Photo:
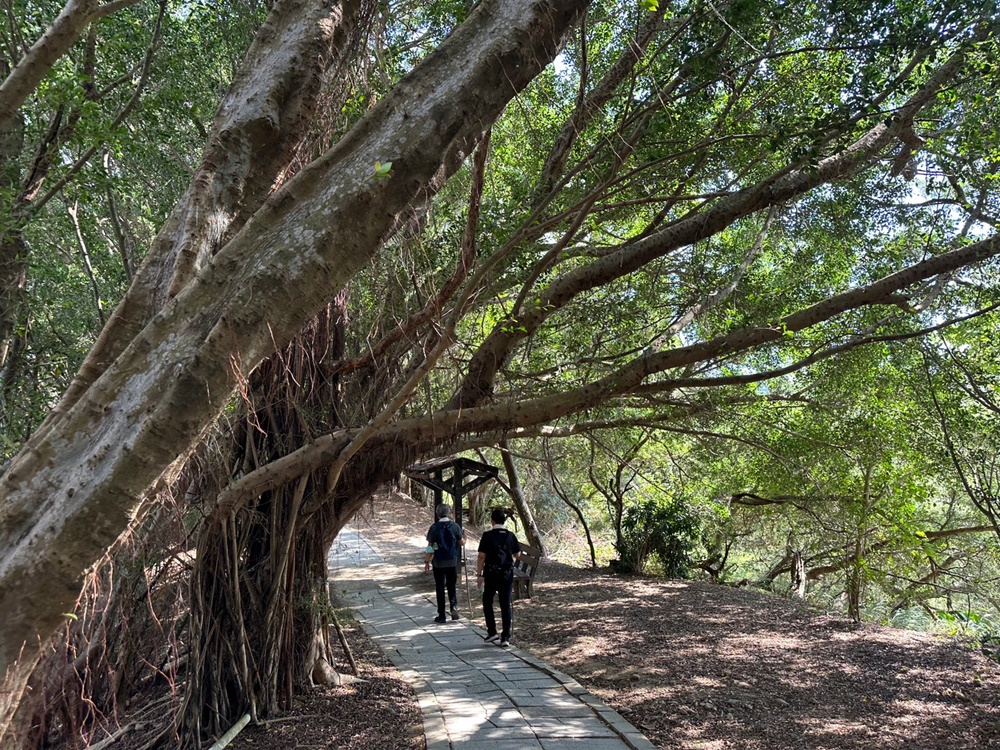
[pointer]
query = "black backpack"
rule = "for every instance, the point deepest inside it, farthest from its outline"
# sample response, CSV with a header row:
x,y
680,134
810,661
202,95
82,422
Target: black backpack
x,y
447,544
500,559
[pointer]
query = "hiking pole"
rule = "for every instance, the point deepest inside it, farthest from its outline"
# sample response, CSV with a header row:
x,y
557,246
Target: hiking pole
x,y
468,592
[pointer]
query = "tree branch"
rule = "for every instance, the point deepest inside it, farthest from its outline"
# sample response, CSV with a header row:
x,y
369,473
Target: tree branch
x,y
36,63
780,187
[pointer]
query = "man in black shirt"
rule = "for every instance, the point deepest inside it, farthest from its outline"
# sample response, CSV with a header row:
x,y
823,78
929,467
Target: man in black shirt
x,y
498,549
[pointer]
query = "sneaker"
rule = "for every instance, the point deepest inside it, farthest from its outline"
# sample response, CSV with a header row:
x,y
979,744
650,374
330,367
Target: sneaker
x,y
455,615
505,643
440,618
492,637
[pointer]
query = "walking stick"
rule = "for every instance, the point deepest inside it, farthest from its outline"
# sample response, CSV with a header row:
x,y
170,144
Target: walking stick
x,y
468,592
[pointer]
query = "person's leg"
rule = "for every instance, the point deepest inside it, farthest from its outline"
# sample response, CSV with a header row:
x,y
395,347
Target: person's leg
x,y
439,590
451,579
506,608
489,591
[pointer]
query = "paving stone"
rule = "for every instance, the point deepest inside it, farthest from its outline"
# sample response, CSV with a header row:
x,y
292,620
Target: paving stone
x,y
516,692
582,743
533,701
556,712
569,728
499,707
513,721
518,673
486,691
522,744
486,733
538,683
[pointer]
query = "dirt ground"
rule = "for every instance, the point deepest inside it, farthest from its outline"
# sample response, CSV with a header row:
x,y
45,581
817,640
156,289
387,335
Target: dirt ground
x,y
379,712
695,666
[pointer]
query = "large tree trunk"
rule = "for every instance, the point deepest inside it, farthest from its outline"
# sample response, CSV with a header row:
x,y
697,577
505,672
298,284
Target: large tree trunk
x,y
259,628
260,122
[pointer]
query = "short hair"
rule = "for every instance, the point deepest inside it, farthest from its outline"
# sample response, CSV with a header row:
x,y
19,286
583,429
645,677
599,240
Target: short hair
x,y
443,511
499,515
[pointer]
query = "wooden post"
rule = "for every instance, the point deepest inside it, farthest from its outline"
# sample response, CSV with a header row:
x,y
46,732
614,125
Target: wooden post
x,y
439,476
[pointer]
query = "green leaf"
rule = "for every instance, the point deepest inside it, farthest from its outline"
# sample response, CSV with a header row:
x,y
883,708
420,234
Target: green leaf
x,y
383,170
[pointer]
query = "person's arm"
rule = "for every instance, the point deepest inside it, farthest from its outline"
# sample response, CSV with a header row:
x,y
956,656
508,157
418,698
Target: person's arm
x,y
428,552
480,564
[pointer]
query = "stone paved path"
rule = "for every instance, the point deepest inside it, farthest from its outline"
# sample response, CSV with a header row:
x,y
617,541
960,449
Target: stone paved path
x,y
472,694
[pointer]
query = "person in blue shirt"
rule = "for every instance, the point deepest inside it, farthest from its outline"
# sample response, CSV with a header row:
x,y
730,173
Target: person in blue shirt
x,y
444,549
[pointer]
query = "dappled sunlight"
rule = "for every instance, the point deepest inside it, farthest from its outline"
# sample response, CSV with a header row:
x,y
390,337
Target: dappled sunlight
x,y
778,642
694,737
707,682
821,731
705,665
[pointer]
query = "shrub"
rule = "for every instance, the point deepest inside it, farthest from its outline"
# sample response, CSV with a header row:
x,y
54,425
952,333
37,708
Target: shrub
x,y
661,531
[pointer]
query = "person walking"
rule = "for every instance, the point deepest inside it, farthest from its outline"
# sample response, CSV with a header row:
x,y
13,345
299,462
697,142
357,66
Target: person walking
x,y
444,543
498,549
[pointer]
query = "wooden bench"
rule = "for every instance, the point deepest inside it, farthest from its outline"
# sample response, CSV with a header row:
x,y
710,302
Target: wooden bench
x,y
524,571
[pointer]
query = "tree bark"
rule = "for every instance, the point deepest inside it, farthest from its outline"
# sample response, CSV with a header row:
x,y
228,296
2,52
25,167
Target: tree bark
x,y
260,123
517,496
